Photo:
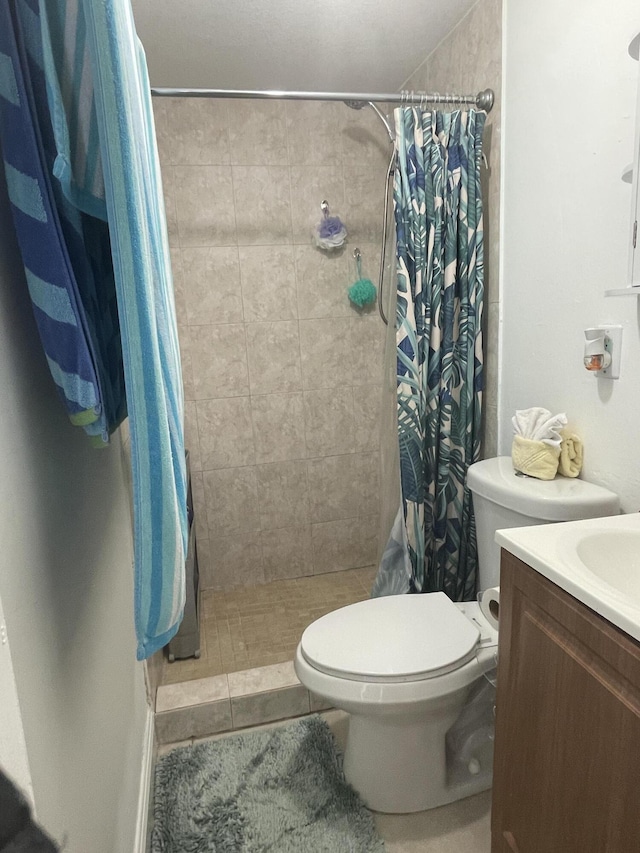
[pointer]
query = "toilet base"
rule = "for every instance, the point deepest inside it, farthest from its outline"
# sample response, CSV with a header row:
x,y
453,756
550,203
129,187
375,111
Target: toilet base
x,y
398,763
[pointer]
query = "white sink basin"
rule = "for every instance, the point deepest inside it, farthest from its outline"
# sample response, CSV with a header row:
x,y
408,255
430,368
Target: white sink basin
x,y
597,561
613,556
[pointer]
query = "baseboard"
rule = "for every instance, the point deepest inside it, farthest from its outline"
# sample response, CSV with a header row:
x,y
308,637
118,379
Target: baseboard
x,y
144,796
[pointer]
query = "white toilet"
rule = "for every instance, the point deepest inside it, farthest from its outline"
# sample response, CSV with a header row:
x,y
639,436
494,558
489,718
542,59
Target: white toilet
x,y
403,666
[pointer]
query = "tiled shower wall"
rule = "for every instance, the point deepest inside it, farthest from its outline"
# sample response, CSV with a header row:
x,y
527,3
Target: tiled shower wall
x,y
467,60
282,377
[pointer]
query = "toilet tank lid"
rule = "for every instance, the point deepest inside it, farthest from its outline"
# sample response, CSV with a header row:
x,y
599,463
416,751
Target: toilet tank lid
x,y
393,638
561,499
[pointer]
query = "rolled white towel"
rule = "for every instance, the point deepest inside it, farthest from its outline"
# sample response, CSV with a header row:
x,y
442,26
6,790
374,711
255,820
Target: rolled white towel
x,y
538,424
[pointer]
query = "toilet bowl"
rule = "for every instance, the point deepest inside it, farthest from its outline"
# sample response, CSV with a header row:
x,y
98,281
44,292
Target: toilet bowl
x,y
403,666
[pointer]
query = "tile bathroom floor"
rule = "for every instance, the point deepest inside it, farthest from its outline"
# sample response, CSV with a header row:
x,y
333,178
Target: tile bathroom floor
x,y
260,625
461,827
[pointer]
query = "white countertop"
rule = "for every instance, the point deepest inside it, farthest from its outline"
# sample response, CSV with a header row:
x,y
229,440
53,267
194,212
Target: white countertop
x,y
553,550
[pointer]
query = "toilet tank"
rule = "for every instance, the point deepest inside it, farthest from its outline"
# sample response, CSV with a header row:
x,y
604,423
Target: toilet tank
x,y
502,499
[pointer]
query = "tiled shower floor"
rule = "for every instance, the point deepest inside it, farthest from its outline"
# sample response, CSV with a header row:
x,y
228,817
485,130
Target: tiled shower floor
x,y
261,625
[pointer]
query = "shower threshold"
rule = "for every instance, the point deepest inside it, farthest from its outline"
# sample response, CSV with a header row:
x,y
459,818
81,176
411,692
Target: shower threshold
x,y
245,674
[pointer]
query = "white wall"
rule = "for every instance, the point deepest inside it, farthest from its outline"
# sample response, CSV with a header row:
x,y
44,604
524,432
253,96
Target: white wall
x,y
13,748
66,590
570,94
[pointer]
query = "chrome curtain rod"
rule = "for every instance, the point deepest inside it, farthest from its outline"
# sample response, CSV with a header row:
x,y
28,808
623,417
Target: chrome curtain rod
x,y
483,100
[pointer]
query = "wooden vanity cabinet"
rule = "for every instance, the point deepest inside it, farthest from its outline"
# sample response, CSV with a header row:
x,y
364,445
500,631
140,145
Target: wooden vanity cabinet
x,y
567,751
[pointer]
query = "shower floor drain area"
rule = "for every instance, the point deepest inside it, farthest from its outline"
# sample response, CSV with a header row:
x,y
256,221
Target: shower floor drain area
x,y
256,626
245,674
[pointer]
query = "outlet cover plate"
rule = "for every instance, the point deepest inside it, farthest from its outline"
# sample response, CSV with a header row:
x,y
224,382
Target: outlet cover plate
x,y
614,347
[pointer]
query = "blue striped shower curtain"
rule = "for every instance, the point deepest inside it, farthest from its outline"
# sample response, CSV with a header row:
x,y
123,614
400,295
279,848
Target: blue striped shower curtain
x,y
100,162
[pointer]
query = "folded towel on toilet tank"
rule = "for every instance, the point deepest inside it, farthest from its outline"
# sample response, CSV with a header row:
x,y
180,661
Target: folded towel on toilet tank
x,y
538,424
571,454
534,458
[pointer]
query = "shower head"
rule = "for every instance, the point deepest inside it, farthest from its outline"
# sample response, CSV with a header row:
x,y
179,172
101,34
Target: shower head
x,y
358,105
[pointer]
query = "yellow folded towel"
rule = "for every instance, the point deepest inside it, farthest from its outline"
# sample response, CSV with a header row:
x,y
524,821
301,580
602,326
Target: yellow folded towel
x,y
571,454
534,458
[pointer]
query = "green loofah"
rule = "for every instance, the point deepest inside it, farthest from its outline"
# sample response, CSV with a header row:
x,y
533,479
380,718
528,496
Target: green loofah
x,y
362,293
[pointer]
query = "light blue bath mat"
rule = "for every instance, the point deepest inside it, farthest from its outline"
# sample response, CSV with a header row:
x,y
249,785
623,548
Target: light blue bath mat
x,y
281,790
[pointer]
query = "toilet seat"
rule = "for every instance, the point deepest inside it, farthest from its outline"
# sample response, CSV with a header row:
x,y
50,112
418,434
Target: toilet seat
x,y
403,638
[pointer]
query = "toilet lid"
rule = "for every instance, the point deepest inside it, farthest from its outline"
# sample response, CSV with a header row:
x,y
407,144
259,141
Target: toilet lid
x,y
394,638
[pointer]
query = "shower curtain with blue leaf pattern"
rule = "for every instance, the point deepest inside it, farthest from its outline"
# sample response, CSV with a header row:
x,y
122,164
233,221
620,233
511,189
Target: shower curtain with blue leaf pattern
x,y
438,211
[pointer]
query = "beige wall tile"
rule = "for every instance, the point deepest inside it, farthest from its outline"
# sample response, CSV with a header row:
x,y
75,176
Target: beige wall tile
x,y
367,411
274,357
236,561
226,433
203,549
367,333
470,59
310,186
193,131
220,354
212,285
322,279
492,248
287,552
326,353
268,283
191,437
490,439
491,347
232,500
283,494
184,339
364,198
364,140
159,106
262,205
278,425
199,506
204,205
328,421
344,544
178,286
314,131
343,486
276,198
168,189
274,705
257,133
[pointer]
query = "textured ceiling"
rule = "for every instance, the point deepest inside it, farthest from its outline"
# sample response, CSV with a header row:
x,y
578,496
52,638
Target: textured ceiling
x,y
340,45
